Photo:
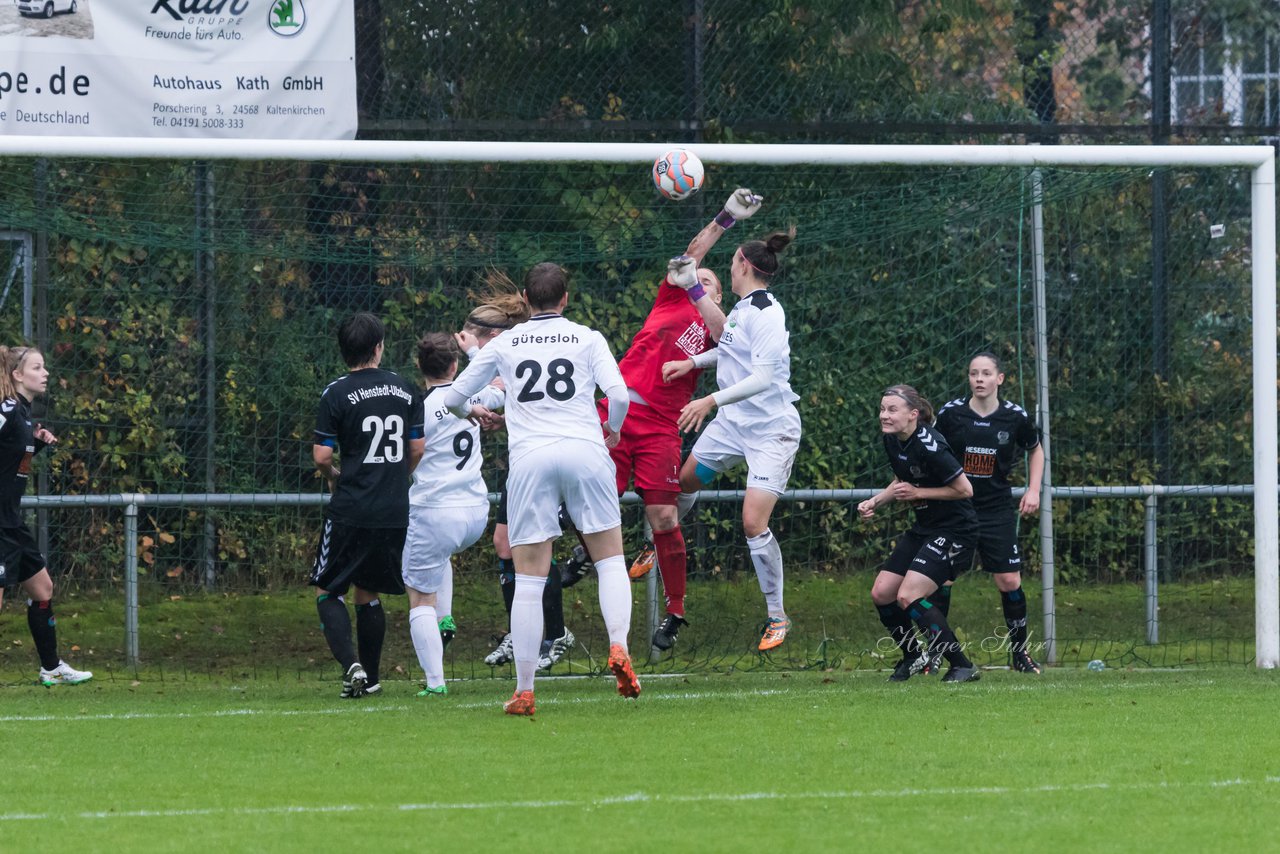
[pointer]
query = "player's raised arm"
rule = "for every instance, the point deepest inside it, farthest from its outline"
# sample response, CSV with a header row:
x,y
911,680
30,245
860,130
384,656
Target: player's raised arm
x,y
682,271
741,205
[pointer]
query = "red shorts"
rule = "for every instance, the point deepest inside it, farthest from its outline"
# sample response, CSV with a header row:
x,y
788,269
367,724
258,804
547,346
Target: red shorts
x,y
649,450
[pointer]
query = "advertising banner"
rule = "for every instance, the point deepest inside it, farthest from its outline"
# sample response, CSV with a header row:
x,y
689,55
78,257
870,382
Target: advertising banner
x,y
253,69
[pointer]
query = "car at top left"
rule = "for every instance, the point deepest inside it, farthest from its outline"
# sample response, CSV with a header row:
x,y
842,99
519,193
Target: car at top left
x,y
46,8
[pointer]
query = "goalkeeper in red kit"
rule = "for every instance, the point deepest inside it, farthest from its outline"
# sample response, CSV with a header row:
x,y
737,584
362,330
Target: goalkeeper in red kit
x,y
649,451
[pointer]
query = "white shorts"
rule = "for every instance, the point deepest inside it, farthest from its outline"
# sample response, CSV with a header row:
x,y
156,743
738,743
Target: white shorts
x,y
768,457
580,474
435,535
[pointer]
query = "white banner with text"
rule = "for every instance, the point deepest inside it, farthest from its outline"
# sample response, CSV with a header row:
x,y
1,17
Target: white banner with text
x,y
248,69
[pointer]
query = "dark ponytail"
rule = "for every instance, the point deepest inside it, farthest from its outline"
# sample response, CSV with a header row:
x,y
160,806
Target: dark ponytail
x,y
762,255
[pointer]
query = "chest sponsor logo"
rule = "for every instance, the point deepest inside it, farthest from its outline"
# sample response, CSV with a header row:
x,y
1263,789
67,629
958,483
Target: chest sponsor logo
x,y
980,462
693,341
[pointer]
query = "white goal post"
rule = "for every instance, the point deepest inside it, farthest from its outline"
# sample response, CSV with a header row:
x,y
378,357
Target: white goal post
x,y
1259,159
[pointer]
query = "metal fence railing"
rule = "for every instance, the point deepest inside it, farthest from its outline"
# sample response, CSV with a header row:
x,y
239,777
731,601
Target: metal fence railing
x,y
1150,495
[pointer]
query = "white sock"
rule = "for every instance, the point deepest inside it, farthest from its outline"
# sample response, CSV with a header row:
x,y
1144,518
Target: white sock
x,y
444,596
425,631
766,554
684,504
648,531
526,628
615,598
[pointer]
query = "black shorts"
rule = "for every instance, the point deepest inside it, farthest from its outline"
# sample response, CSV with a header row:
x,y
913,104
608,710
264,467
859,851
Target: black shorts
x,y
937,556
368,558
500,517
20,557
997,542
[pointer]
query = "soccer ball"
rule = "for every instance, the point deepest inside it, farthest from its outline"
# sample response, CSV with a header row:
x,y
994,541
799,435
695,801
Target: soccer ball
x,y
678,174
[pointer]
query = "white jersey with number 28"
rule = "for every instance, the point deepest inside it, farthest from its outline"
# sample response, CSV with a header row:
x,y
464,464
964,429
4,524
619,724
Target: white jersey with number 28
x,y
551,368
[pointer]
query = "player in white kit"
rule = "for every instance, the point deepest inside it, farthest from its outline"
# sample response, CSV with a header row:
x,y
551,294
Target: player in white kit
x,y
758,422
448,503
551,367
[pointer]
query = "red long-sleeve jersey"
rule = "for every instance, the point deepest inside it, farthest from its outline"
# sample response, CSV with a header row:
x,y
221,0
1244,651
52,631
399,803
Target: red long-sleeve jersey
x,y
673,330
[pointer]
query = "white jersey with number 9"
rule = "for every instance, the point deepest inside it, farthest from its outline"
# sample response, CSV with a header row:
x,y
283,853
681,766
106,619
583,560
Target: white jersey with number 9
x,y
448,475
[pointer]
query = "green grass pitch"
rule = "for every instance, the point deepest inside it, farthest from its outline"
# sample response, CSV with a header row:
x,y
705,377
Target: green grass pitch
x,y
1123,760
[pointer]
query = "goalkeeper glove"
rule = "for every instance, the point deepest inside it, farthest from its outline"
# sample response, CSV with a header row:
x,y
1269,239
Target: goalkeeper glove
x,y
741,205
682,271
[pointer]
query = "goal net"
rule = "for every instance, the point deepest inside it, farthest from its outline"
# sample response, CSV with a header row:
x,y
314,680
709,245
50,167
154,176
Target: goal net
x,y
186,295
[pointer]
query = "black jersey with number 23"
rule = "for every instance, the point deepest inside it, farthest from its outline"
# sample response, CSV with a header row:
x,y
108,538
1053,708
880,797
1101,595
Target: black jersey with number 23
x,y
369,416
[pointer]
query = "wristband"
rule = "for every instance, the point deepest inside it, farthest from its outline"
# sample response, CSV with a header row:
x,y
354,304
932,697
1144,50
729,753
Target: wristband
x,y
696,292
724,219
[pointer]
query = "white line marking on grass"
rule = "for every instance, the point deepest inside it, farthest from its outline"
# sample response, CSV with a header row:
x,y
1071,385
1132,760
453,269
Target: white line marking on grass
x,y
641,798
356,709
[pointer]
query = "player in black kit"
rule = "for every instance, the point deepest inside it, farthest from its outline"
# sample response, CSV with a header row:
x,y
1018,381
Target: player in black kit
x,y
929,477
374,419
989,435
23,375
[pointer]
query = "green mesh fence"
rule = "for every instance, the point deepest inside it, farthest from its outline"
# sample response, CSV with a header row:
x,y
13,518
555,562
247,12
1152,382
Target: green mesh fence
x,y
189,319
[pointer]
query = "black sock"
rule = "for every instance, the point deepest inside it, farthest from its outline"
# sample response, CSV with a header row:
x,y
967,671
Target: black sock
x,y
896,621
934,624
44,632
335,622
1015,617
941,599
553,605
371,628
507,578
